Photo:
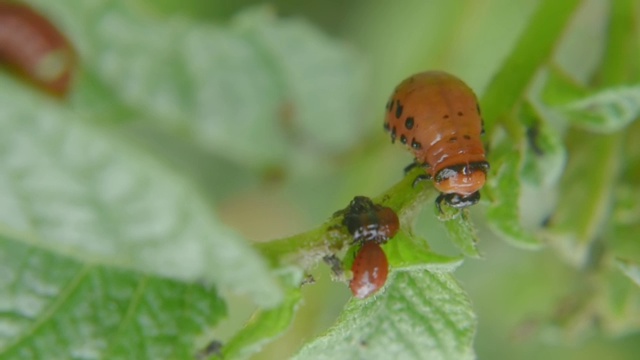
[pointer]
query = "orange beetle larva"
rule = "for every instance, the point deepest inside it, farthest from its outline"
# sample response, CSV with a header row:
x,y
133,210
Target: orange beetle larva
x,y
34,48
370,269
438,117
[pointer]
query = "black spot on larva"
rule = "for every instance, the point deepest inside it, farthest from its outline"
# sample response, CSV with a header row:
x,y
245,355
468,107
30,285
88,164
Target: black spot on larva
x,y
409,123
466,137
416,145
453,139
482,126
446,116
388,105
393,135
398,109
478,109
403,139
386,126
460,113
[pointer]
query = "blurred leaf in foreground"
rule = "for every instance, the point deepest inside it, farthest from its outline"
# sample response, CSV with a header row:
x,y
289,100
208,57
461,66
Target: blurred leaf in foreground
x,y
55,308
75,189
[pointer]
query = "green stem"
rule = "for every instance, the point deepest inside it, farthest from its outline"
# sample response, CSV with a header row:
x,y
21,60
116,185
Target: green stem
x,y
533,49
308,247
620,62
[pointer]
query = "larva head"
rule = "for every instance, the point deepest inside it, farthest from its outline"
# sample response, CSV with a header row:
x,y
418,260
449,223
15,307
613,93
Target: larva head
x,y
367,221
463,179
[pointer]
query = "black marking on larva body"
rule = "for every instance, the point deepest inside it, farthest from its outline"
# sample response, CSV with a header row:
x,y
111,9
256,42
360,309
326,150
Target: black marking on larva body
x,y
453,139
446,116
467,137
420,178
411,166
409,123
457,201
481,126
389,105
403,139
393,135
416,145
460,113
399,108
478,109
386,127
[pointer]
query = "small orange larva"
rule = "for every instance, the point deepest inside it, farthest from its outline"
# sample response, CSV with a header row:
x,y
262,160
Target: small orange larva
x,y
33,47
370,269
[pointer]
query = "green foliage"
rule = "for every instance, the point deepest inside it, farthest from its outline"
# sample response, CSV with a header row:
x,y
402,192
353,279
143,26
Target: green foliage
x,y
577,227
208,70
533,49
607,111
54,307
114,235
431,318
462,233
263,326
545,155
503,213
76,189
631,269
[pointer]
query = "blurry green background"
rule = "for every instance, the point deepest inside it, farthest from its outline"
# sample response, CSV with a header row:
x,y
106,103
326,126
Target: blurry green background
x,y
521,297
